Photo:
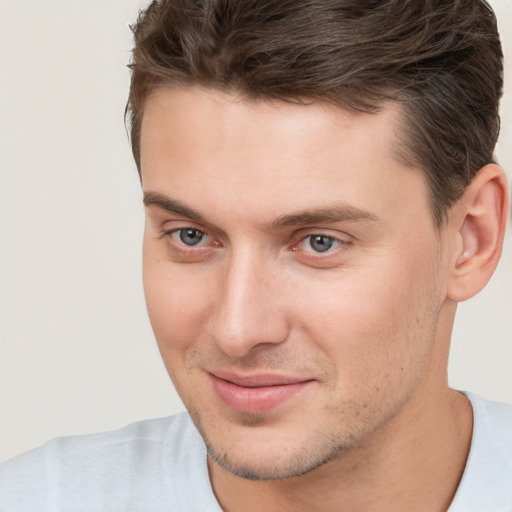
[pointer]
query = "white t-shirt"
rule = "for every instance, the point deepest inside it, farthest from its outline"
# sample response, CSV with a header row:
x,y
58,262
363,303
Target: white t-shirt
x,y
160,465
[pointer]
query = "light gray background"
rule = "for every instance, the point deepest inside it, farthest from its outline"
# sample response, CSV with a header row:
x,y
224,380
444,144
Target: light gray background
x,y
76,349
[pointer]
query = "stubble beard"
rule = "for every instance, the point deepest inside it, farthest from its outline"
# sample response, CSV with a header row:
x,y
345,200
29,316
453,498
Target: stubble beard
x,y
318,450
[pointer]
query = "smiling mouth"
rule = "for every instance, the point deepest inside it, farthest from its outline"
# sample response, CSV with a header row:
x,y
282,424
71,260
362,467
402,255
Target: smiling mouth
x,y
256,394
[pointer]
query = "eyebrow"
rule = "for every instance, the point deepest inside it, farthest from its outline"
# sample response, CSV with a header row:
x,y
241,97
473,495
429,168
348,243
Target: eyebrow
x,y
335,213
329,214
171,206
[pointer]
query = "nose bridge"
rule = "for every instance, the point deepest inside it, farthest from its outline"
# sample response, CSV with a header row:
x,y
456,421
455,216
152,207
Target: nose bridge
x,y
248,311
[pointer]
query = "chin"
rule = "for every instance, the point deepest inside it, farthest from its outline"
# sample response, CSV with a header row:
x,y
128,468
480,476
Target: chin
x,y
263,453
268,469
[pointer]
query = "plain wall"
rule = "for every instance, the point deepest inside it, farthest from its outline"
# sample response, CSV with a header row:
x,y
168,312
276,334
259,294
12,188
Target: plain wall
x,y
76,350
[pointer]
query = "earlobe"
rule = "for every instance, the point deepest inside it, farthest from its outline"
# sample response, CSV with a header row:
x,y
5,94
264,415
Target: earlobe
x,y
483,217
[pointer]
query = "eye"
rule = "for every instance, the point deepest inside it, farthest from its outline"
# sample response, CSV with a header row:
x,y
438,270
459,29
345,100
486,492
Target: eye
x,y
190,237
320,243
188,244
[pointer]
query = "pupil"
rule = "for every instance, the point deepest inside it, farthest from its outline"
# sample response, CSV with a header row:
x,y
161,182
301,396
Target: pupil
x,y
321,243
191,236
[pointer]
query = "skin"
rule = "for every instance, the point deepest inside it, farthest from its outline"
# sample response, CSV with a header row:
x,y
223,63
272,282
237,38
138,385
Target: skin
x,y
365,324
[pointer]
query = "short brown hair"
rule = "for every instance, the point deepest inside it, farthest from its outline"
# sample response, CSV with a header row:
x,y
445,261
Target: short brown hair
x,y
441,59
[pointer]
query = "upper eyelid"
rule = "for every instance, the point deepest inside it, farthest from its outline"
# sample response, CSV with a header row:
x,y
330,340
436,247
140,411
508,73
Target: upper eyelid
x,y
321,233
168,232
308,232
186,223
177,224
175,230
296,237
311,235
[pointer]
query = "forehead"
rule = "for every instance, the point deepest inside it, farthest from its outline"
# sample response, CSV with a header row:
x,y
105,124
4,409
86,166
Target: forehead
x,y
197,110
287,155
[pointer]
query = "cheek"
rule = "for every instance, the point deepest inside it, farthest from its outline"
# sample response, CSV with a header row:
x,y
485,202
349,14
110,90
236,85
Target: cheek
x,y
376,326
177,303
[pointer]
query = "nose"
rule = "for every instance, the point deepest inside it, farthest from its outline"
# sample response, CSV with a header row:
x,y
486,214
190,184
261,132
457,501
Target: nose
x,y
250,308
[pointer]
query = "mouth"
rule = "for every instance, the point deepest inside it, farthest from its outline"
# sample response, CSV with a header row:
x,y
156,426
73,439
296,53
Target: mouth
x,y
256,394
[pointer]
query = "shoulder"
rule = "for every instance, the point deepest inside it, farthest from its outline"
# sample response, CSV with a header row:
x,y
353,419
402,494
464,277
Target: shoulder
x,y
487,480
492,433
144,462
489,414
135,445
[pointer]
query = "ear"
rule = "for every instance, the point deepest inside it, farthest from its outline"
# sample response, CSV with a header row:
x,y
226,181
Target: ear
x,y
481,223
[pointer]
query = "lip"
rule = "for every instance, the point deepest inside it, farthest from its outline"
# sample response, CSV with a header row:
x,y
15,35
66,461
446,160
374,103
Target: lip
x,y
256,394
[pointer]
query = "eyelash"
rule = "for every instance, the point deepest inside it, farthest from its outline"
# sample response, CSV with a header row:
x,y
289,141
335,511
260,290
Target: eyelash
x,y
188,253
320,259
198,250
316,237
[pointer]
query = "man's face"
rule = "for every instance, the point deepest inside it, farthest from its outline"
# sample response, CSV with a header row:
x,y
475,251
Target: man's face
x,y
292,272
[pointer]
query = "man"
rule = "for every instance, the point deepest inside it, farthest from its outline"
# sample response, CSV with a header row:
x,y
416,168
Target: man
x,y
320,193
